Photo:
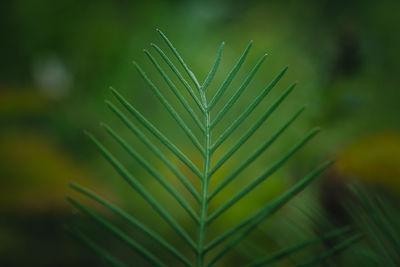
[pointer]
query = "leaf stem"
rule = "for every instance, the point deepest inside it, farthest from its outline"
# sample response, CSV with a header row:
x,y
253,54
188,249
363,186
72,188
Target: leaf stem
x,y
205,185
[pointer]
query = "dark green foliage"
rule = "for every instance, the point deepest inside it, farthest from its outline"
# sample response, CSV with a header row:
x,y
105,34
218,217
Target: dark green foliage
x,y
287,251
379,221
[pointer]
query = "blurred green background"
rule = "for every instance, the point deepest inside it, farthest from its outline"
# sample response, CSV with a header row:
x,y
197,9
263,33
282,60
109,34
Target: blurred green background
x,y
58,59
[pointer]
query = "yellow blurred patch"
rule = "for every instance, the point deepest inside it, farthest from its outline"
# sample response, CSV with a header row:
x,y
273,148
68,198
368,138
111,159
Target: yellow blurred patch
x,y
22,102
35,173
374,159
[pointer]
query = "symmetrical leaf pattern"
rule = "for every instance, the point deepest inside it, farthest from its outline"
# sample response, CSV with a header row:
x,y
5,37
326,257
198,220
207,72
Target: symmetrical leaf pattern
x,y
206,146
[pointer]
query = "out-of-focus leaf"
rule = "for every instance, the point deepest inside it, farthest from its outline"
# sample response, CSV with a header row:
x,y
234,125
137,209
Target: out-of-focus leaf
x,y
373,159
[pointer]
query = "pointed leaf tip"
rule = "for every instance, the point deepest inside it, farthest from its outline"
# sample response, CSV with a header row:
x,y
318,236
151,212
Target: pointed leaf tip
x,y
74,186
108,103
88,134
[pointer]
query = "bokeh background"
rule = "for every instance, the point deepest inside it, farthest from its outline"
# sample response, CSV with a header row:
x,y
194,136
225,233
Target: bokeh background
x,y
58,59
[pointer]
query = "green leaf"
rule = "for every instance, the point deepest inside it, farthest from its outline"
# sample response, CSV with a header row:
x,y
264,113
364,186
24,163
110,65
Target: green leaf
x,y
288,251
263,176
379,222
188,71
97,249
337,249
253,128
112,228
142,191
230,77
156,132
176,91
152,171
238,93
253,156
180,77
248,111
258,217
171,110
207,146
132,221
155,150
211,75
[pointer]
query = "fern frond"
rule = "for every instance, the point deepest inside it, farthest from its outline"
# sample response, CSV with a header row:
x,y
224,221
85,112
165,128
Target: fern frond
x,y
253,156
230,77
118,233
132,221
238,92
206,146
378,219
108,257
175,90
156,132
263,176
152,171
142,191
258,217
247,112
156,151
253,129
213,70
172,111
180,77
188,71
337,249
288,251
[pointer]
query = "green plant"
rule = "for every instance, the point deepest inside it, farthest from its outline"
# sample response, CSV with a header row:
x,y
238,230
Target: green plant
x,y
378,220
231,237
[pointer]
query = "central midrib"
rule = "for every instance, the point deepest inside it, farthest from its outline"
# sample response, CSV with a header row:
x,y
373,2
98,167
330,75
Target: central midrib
x,y
205,183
